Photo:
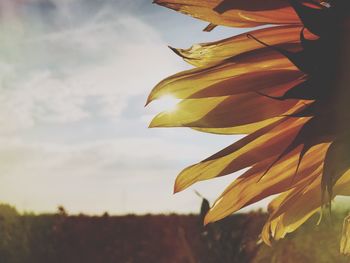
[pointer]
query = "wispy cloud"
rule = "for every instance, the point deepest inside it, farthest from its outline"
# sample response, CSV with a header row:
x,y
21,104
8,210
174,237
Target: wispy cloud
x,y
100,62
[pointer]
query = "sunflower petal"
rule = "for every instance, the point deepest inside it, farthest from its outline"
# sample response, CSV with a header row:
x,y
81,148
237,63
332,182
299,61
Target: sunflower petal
x,y
251,187
238,13
299,205
242,129
205,54
336,163
223,112
264,143
191,82
252,81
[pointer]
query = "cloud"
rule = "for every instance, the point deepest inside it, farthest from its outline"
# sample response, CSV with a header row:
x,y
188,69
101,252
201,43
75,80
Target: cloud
x,y
57,75
41,176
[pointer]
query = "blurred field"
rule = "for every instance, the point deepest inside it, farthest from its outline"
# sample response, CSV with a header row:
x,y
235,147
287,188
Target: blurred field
x,y
60,238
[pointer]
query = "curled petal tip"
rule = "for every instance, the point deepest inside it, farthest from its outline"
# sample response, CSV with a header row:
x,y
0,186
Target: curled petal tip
x,y
173,49
176,51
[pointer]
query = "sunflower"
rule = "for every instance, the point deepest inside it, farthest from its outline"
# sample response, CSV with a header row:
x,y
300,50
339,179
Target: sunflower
x,y
286,87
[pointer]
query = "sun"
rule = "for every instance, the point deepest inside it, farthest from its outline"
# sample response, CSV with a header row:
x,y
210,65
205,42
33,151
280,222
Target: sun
x,y
167,103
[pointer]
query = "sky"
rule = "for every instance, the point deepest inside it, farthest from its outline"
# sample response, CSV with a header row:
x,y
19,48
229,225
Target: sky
x,y
74,78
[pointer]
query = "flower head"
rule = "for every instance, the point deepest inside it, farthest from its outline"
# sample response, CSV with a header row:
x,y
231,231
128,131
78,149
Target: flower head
x,y
287,87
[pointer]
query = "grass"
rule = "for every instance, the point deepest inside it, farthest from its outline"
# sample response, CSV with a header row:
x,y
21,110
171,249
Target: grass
x,y
61,238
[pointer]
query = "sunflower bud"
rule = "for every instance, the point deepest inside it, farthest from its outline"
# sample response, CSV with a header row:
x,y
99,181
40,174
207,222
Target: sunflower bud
x,y
345,238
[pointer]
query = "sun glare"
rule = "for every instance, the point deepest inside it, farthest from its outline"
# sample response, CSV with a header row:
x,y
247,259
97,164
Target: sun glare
x,y
167,103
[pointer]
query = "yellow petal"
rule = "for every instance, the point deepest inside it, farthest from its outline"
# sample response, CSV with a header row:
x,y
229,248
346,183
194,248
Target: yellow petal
x,y
237,13
264,143
205,54
345,239
252,81
223,112
299,205
224,75
251,187
242,129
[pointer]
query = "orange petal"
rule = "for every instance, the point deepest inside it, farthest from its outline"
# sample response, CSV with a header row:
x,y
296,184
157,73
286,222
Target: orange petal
x,y
223,112
237,13
191,82
241,129
211,53
251,187
299,205
264,143
252,81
